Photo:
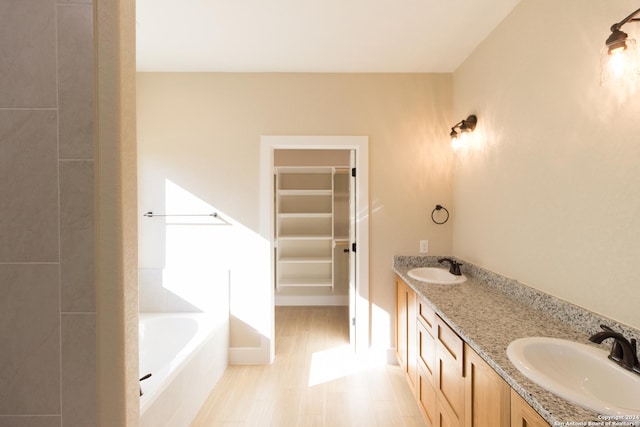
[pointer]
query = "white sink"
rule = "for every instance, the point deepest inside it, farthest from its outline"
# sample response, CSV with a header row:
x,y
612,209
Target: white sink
x,y
579,373
439,276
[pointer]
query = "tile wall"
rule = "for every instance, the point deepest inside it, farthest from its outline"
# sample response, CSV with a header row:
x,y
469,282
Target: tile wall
x,y
47,286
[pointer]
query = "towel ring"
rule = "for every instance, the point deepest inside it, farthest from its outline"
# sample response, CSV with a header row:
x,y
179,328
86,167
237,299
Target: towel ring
x,y
439,207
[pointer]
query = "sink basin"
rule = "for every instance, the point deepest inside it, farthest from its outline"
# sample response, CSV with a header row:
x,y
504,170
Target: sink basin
x,y
439,276
579,373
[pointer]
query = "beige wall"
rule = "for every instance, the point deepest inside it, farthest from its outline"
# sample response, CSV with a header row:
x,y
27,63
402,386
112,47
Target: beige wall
x,y
549,191
203,131
47,292
116,214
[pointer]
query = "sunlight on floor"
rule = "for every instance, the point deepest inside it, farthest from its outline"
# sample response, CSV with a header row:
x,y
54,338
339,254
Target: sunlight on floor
x,y
342,361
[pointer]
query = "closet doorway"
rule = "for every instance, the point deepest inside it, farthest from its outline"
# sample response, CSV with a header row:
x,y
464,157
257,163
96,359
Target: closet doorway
x,y
318,224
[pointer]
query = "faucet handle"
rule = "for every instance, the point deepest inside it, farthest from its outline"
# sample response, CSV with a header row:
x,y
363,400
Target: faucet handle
x,y
634,347
454,266
616,351
142,379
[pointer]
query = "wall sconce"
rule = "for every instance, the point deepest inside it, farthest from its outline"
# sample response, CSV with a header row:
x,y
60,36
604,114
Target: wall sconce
x,y
464,127
619,58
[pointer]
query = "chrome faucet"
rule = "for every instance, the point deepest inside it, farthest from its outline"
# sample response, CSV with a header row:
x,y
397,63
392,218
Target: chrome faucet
x,y
455,266
623,351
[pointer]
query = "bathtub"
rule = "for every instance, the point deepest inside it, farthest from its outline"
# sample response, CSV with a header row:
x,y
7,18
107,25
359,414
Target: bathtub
x,y
186,353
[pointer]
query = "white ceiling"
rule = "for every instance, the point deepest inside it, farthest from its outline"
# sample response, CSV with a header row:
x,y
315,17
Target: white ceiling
x,y
312,35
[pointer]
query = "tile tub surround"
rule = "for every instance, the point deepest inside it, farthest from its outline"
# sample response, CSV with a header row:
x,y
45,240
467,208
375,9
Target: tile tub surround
x,y
489,311
47,219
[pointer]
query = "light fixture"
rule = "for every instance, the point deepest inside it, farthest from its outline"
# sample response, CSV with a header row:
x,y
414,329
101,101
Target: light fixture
x,y
466,125
620,61
459,137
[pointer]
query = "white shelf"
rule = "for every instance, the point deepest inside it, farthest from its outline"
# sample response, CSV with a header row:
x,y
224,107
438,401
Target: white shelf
x,y
305,260
305,281
305,215
305,237
304,226
306,192
305,169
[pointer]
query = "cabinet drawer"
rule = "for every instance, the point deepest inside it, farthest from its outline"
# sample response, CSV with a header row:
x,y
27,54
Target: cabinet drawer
x,y
426,315
451,343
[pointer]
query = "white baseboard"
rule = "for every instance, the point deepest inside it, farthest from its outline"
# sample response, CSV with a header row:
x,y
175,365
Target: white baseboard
x,y
249,356
391,356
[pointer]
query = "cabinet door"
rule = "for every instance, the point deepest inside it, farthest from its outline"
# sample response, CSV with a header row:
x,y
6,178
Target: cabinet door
x,y
426,352
426,396
401,323
449,372
412,338
406,336
523,415
444,417
487,395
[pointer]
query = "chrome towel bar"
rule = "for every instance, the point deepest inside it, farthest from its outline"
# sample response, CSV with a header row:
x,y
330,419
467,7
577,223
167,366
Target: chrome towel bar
x,y
150,214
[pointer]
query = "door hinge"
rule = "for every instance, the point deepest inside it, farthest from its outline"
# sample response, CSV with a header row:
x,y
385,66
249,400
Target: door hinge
x,y
353,321
353,247
353,172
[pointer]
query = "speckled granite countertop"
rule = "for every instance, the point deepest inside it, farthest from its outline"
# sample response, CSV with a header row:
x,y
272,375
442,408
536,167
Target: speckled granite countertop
x,y
489,311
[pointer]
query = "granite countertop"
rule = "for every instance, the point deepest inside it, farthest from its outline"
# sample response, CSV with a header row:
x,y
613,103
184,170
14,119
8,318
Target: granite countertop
x,y
489,311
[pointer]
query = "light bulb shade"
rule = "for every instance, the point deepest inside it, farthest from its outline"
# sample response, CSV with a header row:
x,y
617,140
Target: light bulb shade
x,y
617,40
469,123
620,61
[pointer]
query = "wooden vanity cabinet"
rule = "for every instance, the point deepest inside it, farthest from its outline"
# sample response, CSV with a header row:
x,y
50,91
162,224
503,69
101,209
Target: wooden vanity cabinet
x,y
452,384
487,395
406,343
523,415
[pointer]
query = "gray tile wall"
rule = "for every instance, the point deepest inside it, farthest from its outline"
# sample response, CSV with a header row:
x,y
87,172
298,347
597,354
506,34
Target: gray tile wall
x,y
47,285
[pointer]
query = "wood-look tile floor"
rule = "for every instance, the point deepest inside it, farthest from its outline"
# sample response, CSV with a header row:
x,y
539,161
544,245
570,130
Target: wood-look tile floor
x,y
316,380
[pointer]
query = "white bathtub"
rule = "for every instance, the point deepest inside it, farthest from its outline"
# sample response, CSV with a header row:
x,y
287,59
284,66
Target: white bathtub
x,y
186,353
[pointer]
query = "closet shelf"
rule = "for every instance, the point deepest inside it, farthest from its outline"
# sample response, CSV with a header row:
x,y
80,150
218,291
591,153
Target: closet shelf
x,y
304,260
307,215
305,225
305,237
306,282
301,192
